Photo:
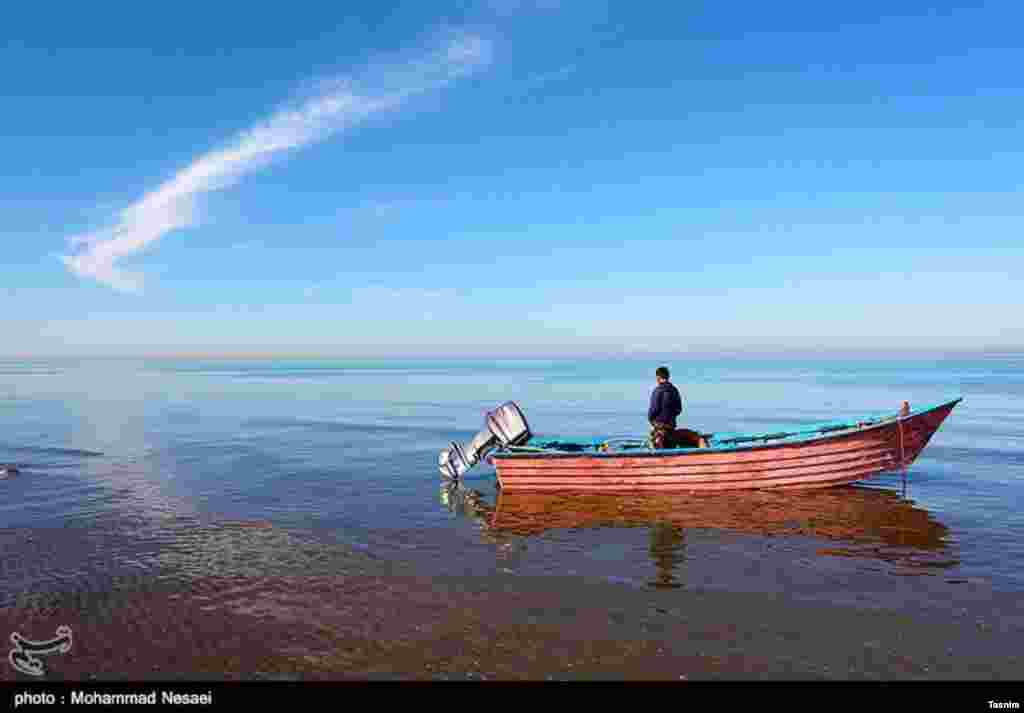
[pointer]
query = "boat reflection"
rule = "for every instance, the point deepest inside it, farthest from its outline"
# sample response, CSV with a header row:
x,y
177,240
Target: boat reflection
x,y
853,521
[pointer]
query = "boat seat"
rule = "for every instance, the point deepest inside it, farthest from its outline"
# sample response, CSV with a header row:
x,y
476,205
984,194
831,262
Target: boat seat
x,y
687,438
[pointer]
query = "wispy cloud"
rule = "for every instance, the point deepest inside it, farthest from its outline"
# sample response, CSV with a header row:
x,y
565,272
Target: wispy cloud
x,y
508,7
539,80
376,294
338,104
415,303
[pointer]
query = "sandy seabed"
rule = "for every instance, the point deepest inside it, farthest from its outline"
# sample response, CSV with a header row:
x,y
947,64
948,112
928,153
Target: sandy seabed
x,y
404,627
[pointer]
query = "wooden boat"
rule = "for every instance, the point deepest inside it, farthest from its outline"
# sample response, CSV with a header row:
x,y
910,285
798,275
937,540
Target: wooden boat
x,y
817,457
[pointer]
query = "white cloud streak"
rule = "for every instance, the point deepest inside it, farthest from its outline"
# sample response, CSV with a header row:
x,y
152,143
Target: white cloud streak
x,y
338,105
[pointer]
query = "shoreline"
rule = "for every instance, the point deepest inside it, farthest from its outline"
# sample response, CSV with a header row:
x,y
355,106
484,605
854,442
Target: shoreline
x,y
406,627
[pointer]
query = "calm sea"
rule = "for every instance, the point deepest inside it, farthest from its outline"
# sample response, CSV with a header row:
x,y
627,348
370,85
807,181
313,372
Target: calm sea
x,y
191,468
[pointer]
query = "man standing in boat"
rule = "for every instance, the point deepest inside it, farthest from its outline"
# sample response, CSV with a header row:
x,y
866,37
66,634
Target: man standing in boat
x,y
666,405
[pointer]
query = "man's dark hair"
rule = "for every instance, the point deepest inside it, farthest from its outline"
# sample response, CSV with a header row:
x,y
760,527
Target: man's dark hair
x,y
661,371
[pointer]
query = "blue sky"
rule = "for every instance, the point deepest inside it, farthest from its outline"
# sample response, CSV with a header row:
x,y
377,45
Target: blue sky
x,y
504,177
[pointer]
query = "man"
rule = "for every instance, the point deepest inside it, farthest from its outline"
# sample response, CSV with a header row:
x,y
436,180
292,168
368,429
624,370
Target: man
x,y
666,405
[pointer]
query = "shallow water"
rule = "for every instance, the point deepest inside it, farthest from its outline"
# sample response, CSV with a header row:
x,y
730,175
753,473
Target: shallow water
x,y
188,469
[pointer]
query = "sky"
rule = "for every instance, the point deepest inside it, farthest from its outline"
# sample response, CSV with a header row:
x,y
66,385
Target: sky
x,y
511,178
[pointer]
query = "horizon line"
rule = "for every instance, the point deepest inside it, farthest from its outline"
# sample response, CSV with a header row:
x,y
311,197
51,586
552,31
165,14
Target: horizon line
x,y
263,355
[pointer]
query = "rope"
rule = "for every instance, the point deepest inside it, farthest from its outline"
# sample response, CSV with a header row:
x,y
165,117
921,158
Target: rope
x,y
899,427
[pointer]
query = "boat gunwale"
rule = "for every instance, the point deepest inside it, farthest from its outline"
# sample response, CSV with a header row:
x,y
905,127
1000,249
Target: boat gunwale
x,y
886,422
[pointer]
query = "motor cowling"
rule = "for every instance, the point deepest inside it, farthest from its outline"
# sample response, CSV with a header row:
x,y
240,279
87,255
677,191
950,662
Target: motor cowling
x,y
508,424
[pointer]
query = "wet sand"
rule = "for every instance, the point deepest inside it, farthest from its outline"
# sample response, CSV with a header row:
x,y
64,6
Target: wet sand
x,y
396,626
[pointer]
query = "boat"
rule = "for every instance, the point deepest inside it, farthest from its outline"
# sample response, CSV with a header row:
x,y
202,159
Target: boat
x,y
819,456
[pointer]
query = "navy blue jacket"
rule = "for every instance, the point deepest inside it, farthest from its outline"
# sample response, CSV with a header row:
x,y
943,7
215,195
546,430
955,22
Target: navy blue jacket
x,y
666,404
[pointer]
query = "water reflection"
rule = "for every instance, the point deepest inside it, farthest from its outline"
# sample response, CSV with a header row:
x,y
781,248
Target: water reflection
x,y
852,521
668,544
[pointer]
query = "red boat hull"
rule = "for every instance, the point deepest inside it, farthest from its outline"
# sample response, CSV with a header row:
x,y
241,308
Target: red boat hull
x,y
845,457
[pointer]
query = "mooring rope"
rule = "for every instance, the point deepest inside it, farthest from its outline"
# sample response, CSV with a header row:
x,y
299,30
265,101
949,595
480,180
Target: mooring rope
x,y
899,427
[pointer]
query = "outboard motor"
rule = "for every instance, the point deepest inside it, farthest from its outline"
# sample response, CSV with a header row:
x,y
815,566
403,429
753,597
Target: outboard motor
x,y
505,426
453,462
456,459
